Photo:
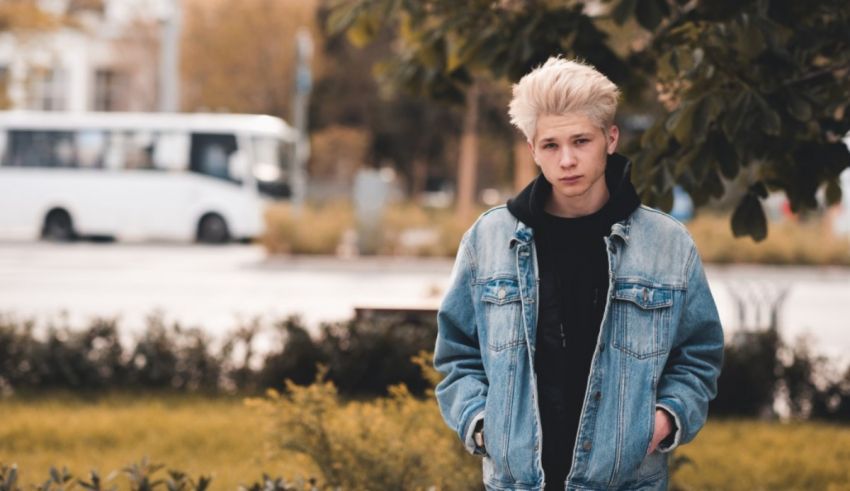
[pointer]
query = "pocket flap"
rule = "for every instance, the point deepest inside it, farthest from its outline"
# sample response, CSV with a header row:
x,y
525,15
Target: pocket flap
x,y
646,297
501,291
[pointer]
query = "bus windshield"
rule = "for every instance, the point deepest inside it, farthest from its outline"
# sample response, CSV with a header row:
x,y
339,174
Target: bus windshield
x,y
272,158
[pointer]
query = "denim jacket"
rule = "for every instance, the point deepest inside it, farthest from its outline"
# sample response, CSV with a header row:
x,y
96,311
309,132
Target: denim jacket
x,y
660,345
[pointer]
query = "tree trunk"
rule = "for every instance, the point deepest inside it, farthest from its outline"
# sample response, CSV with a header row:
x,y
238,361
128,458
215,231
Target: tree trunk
x,y
468,162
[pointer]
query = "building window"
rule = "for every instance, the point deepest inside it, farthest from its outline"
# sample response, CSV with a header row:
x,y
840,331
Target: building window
x,y
109,93
48,90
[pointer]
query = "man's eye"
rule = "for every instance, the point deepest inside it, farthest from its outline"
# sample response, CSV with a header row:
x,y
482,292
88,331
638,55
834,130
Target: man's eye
x,y
581,141
550,145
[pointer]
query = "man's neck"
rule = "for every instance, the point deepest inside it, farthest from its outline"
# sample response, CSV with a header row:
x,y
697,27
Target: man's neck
x,y
576,207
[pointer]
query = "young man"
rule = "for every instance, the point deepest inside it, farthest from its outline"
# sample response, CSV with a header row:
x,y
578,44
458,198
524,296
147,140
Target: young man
x,y
578,338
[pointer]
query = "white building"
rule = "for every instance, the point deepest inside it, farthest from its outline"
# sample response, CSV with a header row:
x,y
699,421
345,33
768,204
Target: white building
x,y
104,58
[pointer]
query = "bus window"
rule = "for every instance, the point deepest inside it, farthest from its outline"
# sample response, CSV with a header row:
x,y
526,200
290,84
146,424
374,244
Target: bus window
x,y
138,150
40,149
211,153
114,158
91,149
171,151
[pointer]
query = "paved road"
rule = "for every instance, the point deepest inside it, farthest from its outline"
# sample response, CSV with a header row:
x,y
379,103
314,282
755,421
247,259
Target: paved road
x,y
217,287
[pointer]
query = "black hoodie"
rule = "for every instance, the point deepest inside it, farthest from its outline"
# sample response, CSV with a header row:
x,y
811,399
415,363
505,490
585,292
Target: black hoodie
x,y
573,269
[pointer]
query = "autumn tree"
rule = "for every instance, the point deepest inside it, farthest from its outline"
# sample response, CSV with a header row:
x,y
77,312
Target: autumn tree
x,y
239,56
759,87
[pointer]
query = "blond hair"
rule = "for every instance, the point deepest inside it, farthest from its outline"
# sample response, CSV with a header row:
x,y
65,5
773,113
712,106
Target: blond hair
x,y
562,86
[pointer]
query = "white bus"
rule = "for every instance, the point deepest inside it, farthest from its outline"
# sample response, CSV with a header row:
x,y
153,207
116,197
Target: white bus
x,y
136,176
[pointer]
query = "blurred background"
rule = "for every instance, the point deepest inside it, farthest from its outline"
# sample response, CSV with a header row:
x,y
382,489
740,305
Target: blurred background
x,y
201,199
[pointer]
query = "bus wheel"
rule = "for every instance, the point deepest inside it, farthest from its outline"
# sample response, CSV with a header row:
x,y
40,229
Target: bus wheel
x,y
213,230
58,227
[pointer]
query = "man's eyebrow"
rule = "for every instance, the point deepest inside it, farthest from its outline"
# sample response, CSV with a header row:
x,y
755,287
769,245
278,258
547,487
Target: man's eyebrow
x,y
570,137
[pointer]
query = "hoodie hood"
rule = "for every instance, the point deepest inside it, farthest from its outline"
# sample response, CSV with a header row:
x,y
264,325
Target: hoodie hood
x,y
528,205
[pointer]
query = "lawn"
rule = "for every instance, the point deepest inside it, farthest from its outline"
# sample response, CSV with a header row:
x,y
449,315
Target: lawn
x,y
223,438
210,436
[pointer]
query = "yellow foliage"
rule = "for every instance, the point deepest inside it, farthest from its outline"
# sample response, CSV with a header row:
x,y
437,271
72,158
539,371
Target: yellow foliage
x,y
240,56
317,230
16,15
789,242
395,442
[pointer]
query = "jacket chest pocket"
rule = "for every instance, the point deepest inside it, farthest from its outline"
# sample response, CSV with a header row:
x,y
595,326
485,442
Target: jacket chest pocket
x,y
642,317
503,313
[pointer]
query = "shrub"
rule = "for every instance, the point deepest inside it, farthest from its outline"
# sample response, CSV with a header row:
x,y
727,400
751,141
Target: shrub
x,y
316,230
364,356
394,442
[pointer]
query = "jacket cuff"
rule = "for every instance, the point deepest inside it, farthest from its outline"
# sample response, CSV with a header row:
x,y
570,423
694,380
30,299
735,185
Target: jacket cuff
x,y
670,442
469,439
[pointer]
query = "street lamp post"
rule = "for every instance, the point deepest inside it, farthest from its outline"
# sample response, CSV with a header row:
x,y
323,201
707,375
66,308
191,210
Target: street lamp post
x,y
171,20
303,86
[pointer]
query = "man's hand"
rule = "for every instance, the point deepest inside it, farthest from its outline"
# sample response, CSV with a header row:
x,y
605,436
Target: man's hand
x,y
663,427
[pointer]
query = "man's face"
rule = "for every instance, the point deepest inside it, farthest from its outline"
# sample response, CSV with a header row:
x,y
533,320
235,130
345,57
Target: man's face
x,y
572,151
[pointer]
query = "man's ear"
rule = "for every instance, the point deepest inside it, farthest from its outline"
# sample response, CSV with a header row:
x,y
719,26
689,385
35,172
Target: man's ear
x,y
613,138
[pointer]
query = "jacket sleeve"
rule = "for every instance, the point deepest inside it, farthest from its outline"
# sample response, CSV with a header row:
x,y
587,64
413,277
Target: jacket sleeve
x,y
457,355
689,379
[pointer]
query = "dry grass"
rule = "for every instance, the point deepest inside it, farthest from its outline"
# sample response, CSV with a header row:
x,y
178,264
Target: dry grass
x,y
760,455
811,243
209,436
225,438
319,230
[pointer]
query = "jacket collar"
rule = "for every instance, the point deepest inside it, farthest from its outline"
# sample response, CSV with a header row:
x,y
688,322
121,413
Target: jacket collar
x,y
523,234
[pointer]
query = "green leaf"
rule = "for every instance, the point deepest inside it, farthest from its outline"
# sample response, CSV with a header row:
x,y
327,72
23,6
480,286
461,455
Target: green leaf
x,y
623,11
363,30
735,117
799,108
749,219
681,122
771,122
686,161
759,189
724,153
713,185
665,201
833,192
340,17
650,13
750,41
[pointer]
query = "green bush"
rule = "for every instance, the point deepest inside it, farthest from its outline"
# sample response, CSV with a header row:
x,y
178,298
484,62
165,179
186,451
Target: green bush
x,y
364,356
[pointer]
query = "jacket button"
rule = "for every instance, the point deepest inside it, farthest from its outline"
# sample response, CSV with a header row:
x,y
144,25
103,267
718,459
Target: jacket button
x,y
645,295
597,395
586,445
502,294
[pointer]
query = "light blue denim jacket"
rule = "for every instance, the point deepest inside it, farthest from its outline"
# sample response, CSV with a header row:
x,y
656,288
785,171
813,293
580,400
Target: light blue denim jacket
x,y
660,345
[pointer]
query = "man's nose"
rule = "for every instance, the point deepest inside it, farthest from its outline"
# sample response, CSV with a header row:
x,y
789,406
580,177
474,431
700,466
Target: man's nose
x,y
568,158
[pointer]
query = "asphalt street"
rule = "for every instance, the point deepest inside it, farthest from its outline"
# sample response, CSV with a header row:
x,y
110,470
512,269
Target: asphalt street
x,y
217,288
